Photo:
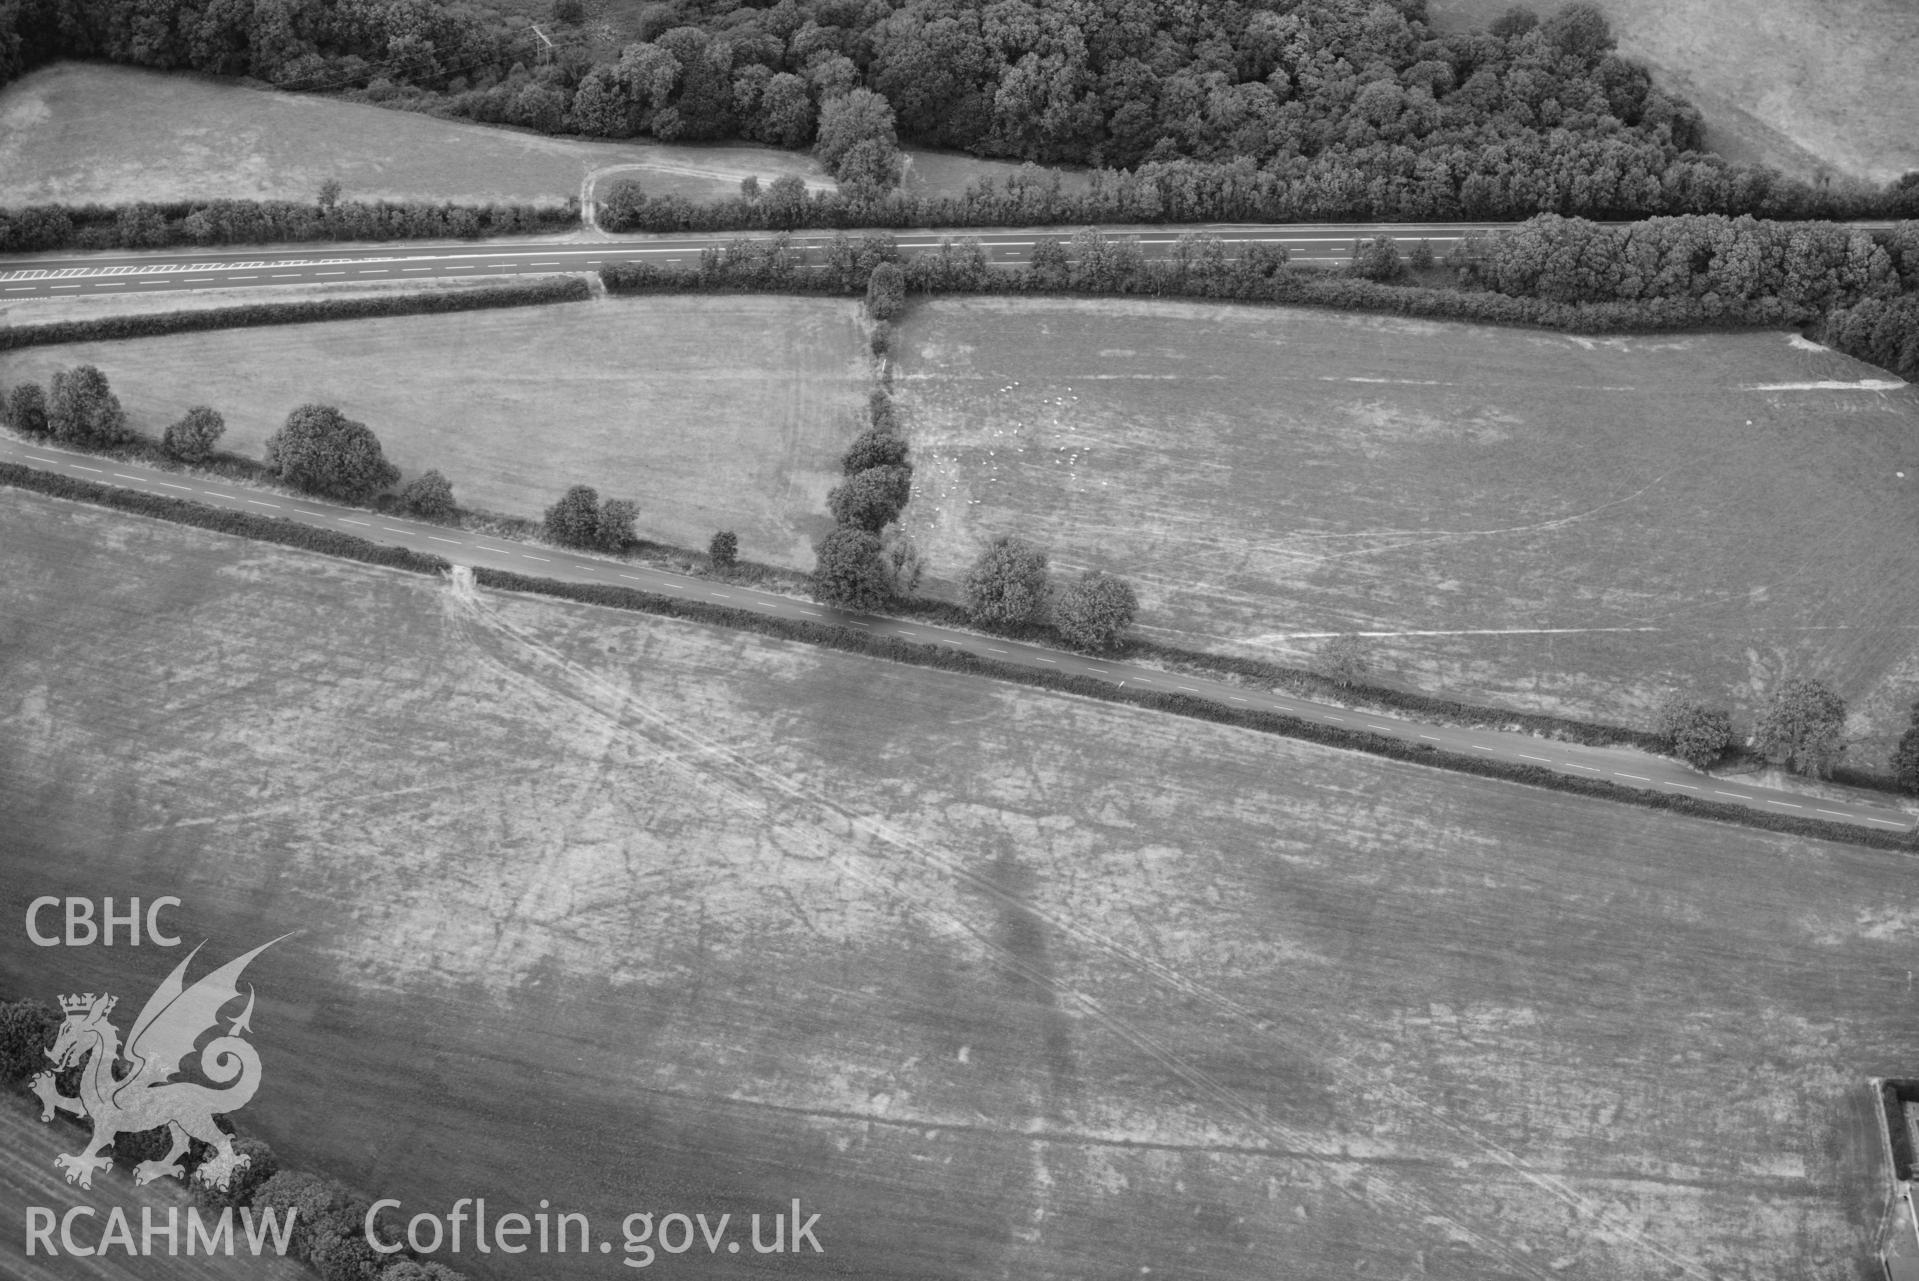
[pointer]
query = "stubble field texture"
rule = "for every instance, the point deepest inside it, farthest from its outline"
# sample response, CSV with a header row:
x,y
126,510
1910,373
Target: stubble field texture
x,y
1818,88
1566,524
639,915
719,412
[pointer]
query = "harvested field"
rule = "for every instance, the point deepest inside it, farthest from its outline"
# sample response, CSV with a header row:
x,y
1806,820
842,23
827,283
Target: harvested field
x,y
1566,524
636,915
80,132
712,412
1819,88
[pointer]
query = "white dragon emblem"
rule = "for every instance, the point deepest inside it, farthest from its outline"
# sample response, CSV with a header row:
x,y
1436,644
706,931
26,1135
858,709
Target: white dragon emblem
x,y
144,1096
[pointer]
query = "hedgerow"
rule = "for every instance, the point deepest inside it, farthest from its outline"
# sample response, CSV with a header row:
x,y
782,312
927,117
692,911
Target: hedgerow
x,y
431,302
271,529
147,225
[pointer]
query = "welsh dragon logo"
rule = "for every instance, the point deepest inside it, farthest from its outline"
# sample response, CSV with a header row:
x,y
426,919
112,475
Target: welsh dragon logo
x,y
142,1095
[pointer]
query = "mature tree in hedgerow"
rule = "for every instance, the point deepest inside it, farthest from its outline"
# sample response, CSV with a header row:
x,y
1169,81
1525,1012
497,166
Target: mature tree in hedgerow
x,y
886,291
724,550
901,559
1802,726
1378,259
619,208
262,1164
1696,734
849,574
1007,584
1905,756
82,409
873,499
574,521
1342,660
429,494
1096,610
322,450
191,439
27,408
615,527
874,447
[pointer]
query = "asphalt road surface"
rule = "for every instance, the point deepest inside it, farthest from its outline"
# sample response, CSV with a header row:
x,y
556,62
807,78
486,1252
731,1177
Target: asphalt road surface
x,y
65,275
1623,766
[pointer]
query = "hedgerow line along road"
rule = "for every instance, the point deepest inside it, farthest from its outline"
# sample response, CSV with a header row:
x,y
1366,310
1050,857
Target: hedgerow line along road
x,y
1623,766
68,274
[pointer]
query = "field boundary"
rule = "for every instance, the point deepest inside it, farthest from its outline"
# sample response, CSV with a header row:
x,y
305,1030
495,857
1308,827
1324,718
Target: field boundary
x,y
426,302
309,538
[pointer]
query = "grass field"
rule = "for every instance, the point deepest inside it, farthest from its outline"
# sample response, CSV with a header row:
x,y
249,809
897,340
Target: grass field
x,y
80,132
631,915
1567,524
1816,87
718,412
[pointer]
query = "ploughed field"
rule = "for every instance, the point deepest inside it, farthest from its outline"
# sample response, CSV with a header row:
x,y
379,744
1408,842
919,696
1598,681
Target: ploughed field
x,y
723,412
630,914
1562,523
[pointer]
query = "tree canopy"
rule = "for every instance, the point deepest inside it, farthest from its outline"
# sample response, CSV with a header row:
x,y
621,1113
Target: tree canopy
x,y
873,498
849,573
1007,584
321,450
82,409
1696,734
192,437
1095,611
1802,726
429,494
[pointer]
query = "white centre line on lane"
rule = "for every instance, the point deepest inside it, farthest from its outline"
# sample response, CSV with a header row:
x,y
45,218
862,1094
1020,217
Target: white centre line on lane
x,y
721,595
170,485
64,286
36,458
1236,698
1784,804
348,520
416,269
483,547
1429,738
812,613
257,503
1339,719
1735,795
329,273
243,277
1188,688
84,467
1546,759
288,275
1836,813
1637,778
110,284
993,649
1481,747
123,476
1053,661
1884,822
542,559
436,538
304,512
1688,786
389,529
1384,729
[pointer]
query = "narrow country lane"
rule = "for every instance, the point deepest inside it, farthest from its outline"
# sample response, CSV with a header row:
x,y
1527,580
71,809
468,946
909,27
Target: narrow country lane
x,y
1623,766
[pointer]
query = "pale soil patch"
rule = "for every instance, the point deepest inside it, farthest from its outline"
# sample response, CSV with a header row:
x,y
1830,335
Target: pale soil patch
x,y
80,132
730,918
712,413
1814,87
1560,523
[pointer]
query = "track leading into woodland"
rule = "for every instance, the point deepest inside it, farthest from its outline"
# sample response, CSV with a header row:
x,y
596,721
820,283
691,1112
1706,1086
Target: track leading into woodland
x,y
65,275
1623,766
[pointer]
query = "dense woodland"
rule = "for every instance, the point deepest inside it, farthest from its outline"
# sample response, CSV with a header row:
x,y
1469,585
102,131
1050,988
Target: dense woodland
x,y
1352,107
